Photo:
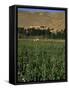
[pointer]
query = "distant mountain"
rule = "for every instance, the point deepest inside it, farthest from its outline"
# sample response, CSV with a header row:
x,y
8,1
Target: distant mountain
x,y
48,19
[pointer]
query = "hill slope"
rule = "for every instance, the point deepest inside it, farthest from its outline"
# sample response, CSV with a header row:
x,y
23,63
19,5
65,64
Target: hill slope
x,y
48,19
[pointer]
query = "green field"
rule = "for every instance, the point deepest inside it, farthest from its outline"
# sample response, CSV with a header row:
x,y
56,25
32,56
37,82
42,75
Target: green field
x,y
41,60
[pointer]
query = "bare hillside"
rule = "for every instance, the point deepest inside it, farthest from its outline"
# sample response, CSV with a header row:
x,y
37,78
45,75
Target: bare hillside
x,y
48,19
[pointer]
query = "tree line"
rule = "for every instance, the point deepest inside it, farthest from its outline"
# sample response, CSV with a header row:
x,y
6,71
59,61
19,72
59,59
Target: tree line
x,y
44,33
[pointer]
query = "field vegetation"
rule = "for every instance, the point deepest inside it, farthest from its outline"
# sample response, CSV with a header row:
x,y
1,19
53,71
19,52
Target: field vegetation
x,y
41,60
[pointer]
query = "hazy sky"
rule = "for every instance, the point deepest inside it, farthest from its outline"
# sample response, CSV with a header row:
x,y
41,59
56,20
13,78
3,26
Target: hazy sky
x,y
38,10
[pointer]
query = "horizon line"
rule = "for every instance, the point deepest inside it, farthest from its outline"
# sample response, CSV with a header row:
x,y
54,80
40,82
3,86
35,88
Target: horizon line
x,y
39,10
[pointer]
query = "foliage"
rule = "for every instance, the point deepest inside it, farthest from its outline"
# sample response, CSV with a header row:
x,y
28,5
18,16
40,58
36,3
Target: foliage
x,y
41,60
40,33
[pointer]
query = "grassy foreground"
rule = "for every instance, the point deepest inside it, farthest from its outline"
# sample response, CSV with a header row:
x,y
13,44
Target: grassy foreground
x,y
41,60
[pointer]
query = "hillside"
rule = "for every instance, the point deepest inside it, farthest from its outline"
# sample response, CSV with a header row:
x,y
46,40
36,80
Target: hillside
x,y
48,19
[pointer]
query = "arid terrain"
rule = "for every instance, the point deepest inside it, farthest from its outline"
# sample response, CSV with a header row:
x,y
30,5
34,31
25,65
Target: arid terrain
x,y
52,20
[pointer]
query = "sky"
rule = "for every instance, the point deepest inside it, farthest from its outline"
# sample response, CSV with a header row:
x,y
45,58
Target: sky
x,y
38,10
